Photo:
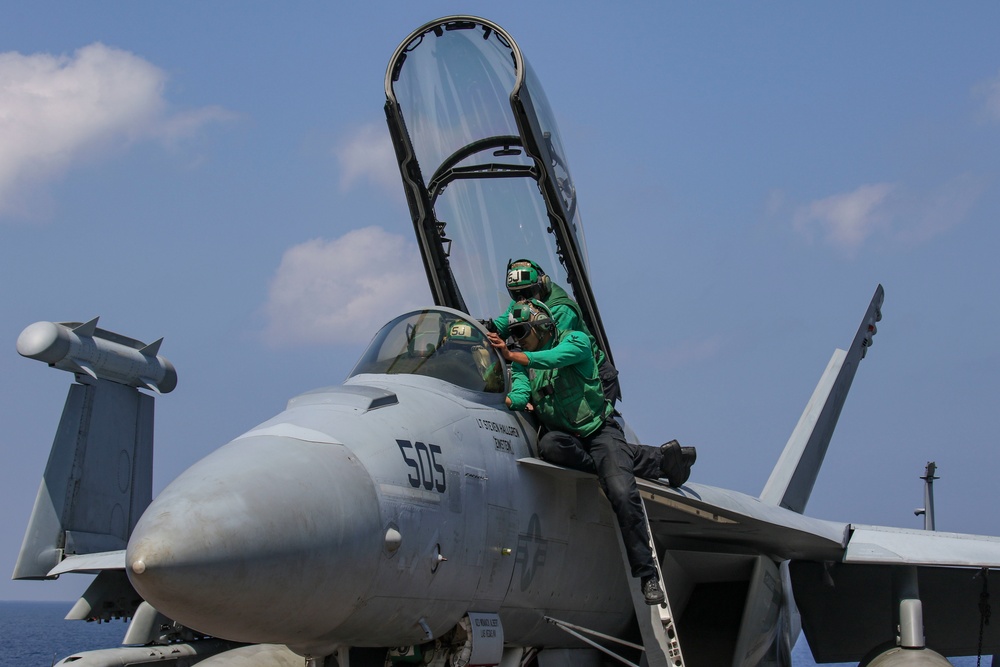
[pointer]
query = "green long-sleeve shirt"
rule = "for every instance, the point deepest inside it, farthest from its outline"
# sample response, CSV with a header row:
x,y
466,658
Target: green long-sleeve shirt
x,y
565,313
562,383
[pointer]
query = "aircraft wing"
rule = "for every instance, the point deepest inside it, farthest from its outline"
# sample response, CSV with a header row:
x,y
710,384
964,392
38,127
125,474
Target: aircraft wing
x,y
705,513
841,574
701,512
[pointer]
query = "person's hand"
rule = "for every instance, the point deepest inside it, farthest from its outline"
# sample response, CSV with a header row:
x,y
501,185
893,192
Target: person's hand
x,y
499,345
514,356
527,408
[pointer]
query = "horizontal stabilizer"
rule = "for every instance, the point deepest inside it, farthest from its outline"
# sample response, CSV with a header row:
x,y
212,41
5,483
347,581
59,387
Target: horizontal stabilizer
x,y
91,563
793,477
910,546
846,606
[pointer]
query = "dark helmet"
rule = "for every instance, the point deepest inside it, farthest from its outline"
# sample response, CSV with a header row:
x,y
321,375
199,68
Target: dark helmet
x,y
527,280
528,315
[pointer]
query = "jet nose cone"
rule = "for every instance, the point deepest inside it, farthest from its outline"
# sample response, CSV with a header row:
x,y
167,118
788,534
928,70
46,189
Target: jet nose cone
x,y
260,541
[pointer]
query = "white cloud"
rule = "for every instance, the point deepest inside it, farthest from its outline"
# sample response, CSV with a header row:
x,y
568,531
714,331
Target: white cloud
x,y
342,291
989,92
898,215
186,123
369,155
935,212
58,111
847,219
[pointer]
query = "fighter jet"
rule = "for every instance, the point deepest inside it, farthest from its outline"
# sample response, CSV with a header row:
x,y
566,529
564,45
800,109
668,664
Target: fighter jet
x,y
403,517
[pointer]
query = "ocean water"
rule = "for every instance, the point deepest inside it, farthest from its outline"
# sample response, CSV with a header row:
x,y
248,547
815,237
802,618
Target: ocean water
x,y
35,634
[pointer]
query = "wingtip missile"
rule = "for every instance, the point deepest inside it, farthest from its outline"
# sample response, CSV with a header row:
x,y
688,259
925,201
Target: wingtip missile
x,y
85,349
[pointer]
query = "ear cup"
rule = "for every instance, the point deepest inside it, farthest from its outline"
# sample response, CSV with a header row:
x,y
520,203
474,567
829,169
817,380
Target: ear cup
x,y
544,322
545,284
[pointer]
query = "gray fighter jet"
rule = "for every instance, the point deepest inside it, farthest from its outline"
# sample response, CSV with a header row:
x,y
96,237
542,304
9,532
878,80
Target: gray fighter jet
x,y
403,517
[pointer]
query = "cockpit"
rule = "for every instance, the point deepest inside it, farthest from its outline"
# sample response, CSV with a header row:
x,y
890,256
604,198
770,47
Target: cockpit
x,y
436,342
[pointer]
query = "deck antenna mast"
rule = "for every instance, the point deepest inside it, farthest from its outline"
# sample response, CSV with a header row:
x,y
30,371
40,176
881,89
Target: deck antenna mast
x,y
928,509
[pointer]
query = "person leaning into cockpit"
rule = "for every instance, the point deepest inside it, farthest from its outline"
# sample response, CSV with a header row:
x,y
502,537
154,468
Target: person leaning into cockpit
x,y
564,392
527,280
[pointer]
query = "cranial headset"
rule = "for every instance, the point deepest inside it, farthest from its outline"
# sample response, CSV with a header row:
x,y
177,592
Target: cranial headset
x,y
528,315
524,282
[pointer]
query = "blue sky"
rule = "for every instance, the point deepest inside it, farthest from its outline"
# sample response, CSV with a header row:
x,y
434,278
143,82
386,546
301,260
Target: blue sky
x,y
220,174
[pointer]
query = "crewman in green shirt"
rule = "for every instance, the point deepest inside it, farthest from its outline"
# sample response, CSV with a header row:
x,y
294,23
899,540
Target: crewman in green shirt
x,y
555,375
527,280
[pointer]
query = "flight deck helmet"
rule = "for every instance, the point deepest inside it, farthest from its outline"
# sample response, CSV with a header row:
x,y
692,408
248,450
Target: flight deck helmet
x,y
527,316
462,333
527,280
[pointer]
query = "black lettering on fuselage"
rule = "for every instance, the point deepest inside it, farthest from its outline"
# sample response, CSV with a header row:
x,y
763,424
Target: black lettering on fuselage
x,y
502,444
502,429
426,471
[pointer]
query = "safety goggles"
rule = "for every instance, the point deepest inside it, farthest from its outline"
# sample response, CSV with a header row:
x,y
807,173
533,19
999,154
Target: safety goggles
x,y
520,331
525,292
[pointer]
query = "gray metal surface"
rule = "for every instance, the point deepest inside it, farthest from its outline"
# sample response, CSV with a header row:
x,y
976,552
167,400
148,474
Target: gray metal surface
x,y
906,546
98,479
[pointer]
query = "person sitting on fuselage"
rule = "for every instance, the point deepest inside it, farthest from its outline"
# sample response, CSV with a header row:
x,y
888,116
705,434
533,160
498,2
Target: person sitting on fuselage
x,y
527,280
555,376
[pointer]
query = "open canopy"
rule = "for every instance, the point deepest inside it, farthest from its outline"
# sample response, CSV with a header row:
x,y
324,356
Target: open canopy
x,y
483,167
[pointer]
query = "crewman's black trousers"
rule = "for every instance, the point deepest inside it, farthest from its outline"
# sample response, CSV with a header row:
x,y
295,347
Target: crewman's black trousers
x,y
616,463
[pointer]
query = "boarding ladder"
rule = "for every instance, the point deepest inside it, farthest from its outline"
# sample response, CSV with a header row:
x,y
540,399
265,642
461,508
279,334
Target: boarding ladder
x,y
656,623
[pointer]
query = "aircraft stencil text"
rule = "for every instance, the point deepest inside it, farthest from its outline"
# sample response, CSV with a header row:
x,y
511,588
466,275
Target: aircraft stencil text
x,y
505,429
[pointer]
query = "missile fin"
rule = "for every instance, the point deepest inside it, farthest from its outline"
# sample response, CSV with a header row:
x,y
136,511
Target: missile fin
x,y
87,329
150,384
152,349
86,369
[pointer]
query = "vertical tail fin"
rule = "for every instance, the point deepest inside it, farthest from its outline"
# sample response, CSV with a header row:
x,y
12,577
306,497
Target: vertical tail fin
x,y
794,475
98,479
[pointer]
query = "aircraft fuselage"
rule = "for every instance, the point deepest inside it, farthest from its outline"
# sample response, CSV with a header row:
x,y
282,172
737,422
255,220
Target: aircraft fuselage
x,y
378,513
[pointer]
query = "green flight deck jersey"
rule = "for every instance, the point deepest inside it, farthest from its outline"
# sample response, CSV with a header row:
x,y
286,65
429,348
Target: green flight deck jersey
x,y
566,313
562,383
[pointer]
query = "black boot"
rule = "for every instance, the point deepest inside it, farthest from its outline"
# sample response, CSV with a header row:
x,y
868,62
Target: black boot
x,y
652,592
676,462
